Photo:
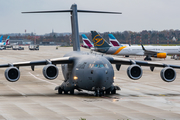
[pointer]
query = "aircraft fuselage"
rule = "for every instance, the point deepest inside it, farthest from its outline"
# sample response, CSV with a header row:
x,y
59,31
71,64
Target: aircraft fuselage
x,y
88,71
137,50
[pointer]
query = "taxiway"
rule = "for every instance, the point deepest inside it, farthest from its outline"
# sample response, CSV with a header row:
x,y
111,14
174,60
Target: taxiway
x,y
34,97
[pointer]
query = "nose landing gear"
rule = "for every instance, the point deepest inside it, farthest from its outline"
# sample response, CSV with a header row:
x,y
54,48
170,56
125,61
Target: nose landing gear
x,y
111,90
99,93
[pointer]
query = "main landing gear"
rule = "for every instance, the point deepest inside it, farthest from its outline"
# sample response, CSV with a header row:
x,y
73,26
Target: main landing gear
x,y
60,90
111,90
98,92
148,58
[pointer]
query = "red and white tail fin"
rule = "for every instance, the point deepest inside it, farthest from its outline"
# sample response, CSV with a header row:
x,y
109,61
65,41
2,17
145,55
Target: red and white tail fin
x,y
86,42
7,41
113,41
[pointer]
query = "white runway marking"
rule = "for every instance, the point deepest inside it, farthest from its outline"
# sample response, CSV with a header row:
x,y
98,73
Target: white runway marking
x,y
42,79
17,90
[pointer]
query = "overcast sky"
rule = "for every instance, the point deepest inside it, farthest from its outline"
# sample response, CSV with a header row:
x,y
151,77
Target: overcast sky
x,y
137,15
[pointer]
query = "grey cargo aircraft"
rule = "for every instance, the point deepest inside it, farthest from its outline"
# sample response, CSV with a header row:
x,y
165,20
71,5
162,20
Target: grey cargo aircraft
x,y
82,70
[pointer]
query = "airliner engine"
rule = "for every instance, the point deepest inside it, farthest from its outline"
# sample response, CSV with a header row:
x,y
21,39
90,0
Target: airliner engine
x,y
134,72
168,74
50,71
160,55
12,74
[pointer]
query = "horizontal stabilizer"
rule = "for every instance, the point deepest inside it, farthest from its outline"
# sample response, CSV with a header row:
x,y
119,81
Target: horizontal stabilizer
x,y
53,11
74,21
86,11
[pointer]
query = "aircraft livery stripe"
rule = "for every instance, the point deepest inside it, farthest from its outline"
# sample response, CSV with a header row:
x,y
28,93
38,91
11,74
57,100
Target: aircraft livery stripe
x,y
119,50
114,43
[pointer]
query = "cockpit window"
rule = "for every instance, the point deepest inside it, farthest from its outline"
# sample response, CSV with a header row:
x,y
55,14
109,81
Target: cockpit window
x,y
91,65
98,66
101,65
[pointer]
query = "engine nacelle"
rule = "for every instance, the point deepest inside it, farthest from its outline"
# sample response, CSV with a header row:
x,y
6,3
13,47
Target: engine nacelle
x,y
50,71
160,55
12,74
134,72
168,74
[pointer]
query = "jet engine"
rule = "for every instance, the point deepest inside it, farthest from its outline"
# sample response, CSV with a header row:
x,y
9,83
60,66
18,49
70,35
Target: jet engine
x,y
12,74
50,71
160,55
134,72
168,74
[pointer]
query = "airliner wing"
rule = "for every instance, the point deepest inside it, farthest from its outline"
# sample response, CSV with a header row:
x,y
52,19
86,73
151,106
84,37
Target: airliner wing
x,y
62,60
150,52
119,61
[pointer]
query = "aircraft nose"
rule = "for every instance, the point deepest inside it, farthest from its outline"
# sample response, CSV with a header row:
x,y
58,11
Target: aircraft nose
x,y
99,77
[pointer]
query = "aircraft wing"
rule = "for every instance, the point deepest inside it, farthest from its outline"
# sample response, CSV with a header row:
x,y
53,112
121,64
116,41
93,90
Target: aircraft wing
x,y
119,61
62,60
150,52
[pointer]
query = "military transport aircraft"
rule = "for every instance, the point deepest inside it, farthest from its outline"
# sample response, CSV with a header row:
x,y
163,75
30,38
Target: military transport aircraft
x,y
149,51
82,70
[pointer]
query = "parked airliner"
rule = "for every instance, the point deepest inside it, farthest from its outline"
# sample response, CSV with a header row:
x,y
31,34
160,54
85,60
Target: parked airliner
x,y
148,51
6,42
86,42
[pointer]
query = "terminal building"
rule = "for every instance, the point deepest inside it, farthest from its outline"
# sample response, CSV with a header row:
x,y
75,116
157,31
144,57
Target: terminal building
x,y
21,42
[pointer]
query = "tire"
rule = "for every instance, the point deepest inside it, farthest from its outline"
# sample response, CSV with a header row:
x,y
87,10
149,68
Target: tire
x,y
59,91
65,92
113,91
108,91
72,92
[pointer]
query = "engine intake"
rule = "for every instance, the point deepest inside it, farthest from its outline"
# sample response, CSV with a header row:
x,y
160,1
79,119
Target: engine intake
x,y
12,74
168,74
134,72
50,71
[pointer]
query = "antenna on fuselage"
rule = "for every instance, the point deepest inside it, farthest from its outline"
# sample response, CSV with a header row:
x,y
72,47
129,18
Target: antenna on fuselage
x,y
74,22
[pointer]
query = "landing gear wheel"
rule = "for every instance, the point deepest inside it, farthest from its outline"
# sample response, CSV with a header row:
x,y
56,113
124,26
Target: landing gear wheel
x,y
72,92
59,91
101,93
96,93
65,92
147,58
113,91
108,91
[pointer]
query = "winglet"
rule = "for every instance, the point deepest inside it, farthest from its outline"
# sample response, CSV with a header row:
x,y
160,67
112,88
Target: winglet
x,y
143,47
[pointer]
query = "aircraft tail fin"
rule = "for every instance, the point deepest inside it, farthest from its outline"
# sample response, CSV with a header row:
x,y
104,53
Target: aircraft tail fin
x,y
1,38
86,41
74,22
143,47
7,41
113,40
98,41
